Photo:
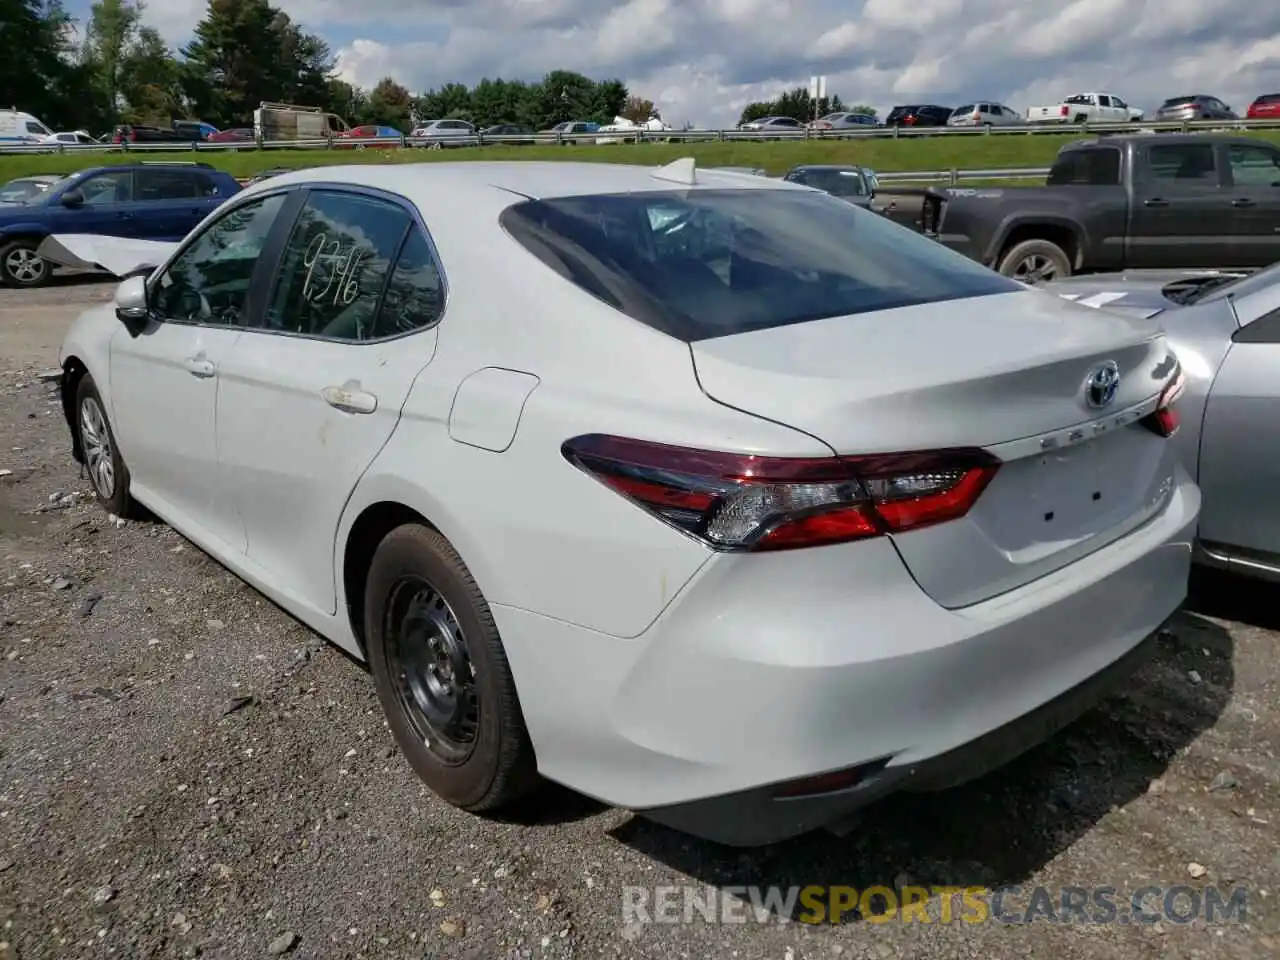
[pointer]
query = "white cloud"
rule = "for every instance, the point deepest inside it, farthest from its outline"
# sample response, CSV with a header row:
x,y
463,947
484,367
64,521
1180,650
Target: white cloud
x,y
702,60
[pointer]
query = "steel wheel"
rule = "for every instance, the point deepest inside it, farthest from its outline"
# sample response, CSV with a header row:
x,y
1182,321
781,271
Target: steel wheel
x,y
95,440
435,679
1035,269
24,267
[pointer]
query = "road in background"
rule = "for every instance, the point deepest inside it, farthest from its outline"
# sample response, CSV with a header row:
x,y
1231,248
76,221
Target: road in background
x,y
185,770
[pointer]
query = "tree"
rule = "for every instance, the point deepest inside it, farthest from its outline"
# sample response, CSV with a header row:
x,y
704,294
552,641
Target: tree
x,y
860,108
150,81
637,109
796,104
36,72
112,28
247,51
389,105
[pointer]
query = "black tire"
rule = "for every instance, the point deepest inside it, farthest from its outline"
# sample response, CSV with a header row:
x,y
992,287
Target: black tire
x,y
480,759
107,470
1035,261
1080,118
20,267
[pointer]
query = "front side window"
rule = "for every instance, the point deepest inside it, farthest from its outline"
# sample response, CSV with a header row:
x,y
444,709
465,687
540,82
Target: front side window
x,y
709,263
335,266
115,186
1254,166
209,281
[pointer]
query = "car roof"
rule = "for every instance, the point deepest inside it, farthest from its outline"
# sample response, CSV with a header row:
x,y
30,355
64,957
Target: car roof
x,y
1158,138
527,179
826,166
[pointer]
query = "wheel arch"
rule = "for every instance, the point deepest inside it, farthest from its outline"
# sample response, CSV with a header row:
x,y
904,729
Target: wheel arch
x,y
74,370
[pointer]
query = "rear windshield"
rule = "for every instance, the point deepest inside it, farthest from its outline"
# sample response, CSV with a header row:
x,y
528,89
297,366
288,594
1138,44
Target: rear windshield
x,y
839,183
967,108
1095,167
1178,101
1268,98
698,264
903,111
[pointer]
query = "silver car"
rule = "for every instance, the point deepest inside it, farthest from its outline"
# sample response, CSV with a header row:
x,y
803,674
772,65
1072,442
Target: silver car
x,y
783,125
985,113
436,134
1197,106
1225,329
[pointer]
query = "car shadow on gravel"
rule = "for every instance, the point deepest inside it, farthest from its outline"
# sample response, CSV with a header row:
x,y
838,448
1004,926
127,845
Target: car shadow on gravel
x,y
1002,829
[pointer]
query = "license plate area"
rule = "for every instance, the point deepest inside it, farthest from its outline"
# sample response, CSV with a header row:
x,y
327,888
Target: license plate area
x,y
1072,487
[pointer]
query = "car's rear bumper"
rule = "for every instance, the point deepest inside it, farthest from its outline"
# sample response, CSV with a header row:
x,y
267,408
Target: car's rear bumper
x,y
771,669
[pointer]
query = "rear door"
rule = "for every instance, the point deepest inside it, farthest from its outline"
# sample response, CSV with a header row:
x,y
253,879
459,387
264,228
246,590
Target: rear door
x,y
309,397
171,202
1181,213
1254,187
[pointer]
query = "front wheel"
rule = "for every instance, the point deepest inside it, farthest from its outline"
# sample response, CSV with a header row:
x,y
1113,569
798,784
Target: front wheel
x,y
101,454
21,266
1035,261
441,673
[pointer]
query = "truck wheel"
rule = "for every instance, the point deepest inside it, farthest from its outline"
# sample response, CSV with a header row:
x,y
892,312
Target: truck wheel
x,y
1035,261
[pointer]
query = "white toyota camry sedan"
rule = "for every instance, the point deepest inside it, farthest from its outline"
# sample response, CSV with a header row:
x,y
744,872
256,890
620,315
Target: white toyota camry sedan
x,y
707,495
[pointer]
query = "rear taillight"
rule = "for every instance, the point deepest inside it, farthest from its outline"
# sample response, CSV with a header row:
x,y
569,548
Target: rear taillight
x,y
976,116
733,501
909,120
1063,110
1164,420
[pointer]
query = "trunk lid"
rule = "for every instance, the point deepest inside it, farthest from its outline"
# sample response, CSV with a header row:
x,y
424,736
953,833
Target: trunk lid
x,y
1005,373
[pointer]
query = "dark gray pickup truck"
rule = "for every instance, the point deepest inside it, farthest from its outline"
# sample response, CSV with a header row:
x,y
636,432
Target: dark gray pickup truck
x,y
1123,202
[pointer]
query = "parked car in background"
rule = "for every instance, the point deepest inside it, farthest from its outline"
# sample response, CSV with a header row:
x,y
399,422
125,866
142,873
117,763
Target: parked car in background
x,y
782,125
180,131
73,138
1225,328
436,134
354,138
24,189
844,120
1118,202
623,126
746,463
17,127
234,135
146,201
1196,106
857,185
985,114
1265,107
510,133
284,122
918,115
573,131
1086,108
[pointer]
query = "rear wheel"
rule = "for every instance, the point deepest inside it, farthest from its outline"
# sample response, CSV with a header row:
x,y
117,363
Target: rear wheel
x,y
21,266
441,673
1035,261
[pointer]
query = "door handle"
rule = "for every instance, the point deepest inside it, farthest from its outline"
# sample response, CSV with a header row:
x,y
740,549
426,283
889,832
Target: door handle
x,y
1155,202
349,399
1242,202
199,367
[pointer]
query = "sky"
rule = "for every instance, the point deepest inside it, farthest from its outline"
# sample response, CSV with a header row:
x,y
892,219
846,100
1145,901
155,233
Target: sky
x,y
701,61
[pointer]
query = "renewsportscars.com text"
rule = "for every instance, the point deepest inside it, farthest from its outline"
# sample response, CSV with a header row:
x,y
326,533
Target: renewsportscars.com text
x,y
817,904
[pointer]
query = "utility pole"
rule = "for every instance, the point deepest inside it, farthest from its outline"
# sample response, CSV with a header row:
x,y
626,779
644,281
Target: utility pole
x,y
817,90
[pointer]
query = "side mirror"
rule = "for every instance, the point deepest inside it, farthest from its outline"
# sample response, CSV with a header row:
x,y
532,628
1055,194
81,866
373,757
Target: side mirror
x,y
72,198
131,304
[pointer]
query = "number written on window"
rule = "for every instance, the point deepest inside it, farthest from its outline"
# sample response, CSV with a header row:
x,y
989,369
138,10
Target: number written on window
x,y
336,265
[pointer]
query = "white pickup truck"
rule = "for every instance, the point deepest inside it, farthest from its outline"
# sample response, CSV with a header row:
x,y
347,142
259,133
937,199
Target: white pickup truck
x,y
1086,108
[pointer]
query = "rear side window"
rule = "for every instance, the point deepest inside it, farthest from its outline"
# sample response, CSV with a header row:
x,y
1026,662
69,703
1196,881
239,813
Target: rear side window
x,y
710,263
168,185
1097,167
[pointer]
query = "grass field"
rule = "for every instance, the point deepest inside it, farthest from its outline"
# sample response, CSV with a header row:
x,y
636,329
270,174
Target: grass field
x,y
931,153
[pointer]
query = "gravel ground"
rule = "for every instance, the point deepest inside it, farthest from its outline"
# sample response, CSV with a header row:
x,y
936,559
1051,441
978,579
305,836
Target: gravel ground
x,y
184,770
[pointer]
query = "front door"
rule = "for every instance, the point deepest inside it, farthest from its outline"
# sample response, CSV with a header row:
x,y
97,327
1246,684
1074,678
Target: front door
x,y
310,398
1181,214
107,210
165,381
1255,199
1240,445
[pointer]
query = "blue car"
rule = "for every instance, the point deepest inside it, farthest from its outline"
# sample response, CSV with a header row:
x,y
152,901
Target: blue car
x,y
143,201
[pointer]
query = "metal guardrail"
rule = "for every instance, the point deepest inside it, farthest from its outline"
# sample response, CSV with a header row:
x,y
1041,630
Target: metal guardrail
x,y
955,176
613,137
